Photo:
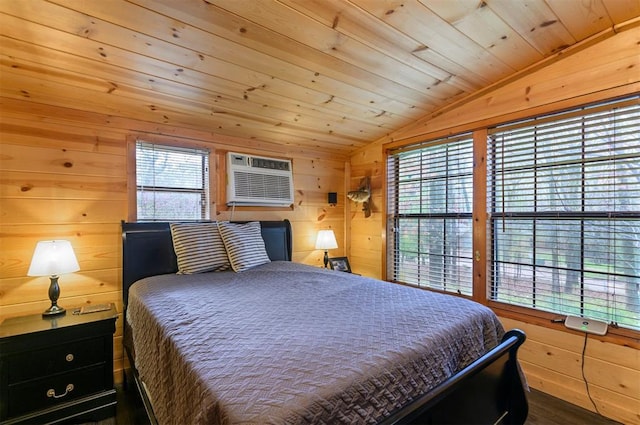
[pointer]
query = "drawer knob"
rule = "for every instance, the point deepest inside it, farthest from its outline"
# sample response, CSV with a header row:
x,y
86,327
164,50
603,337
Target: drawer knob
x,y
52,392
69,357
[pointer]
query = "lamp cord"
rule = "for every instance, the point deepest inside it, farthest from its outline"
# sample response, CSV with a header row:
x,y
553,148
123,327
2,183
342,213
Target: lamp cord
x,y
584,378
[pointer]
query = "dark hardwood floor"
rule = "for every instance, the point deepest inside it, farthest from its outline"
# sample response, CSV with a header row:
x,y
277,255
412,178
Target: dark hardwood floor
x,y
130,409
543,410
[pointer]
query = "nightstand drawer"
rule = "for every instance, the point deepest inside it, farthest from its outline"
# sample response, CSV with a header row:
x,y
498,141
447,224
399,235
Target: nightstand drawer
x,y
57,369
55,390
60,358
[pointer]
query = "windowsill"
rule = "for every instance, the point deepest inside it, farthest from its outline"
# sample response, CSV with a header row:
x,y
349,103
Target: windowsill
x,y
620,336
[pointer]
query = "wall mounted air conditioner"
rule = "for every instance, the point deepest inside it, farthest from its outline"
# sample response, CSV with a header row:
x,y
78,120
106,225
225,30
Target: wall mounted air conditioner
x,y
255,180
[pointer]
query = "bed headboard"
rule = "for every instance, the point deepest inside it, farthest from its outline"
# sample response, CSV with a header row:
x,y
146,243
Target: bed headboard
x,y
147,249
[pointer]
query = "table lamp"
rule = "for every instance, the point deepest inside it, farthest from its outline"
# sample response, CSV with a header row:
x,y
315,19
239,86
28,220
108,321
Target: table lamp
x,y
53,258
326,240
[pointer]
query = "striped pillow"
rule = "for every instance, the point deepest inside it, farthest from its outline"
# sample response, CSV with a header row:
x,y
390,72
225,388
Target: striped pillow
x,y
199,248
244,243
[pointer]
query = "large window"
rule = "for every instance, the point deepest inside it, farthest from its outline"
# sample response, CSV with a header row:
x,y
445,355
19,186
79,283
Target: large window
x,y
563,214
172,182
564,197
430,206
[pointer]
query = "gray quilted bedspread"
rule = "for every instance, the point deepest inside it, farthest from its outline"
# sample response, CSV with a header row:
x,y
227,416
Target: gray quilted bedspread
x,y
286,343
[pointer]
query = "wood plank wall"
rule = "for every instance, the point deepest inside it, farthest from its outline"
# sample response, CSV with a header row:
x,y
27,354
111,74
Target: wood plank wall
x,y
604,67
63,174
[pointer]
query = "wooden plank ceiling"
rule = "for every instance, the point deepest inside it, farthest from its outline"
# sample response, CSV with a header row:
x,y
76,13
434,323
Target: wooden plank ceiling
x,y
331,75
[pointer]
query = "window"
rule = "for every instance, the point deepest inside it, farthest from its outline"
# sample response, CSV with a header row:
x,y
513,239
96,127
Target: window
x,y
564,199
563,214
172,182
430,209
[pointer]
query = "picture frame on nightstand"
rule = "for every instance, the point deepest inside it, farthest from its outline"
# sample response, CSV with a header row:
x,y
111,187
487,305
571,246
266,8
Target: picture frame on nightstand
x,y
340,264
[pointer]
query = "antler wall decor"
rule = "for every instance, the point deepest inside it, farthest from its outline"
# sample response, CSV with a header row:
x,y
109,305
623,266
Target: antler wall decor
x,y
363,195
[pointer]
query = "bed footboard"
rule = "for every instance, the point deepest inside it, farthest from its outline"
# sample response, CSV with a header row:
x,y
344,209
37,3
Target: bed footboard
x,y
491,390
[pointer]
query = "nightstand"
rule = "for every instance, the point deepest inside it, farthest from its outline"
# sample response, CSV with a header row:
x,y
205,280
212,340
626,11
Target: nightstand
x,y
59,368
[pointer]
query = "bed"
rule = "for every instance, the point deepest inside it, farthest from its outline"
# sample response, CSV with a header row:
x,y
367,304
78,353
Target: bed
x,y
281,342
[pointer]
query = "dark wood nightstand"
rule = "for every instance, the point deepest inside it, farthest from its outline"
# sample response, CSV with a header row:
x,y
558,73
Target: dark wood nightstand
x,y
57,369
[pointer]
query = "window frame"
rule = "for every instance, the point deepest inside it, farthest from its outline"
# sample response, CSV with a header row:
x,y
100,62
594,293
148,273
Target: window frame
x,y
622,336
132,186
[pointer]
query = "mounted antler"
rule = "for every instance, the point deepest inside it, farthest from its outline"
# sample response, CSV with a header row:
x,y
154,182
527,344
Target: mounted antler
x,y
363,194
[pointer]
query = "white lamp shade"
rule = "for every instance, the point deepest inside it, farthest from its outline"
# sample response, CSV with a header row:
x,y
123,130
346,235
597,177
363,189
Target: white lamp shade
x,y
326,240
53,258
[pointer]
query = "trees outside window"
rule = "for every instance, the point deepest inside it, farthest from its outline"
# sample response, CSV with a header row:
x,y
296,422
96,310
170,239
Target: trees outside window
x,y
172,182
564,192
431,200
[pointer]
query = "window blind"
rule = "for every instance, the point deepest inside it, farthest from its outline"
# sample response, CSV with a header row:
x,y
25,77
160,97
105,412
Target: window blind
x,y
172,182
564,198
430,194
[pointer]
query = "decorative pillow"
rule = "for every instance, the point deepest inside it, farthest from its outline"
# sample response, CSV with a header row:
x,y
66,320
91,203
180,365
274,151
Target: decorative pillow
x,y
244,243
199,248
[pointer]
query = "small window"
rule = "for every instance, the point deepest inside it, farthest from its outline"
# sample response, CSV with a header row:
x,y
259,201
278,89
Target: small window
x,y
172,182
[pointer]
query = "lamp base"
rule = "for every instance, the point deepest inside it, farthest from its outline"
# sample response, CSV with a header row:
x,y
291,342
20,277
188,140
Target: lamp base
x,y
54,294
54,310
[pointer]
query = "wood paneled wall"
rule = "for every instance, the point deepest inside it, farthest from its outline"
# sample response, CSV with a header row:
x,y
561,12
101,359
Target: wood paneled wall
x,y
605,67
63,175
552,361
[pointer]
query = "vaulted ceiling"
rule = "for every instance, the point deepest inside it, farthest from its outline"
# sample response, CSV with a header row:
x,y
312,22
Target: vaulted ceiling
x,y
332,75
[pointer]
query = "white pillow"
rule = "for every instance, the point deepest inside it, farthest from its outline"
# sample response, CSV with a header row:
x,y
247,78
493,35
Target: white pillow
x,y
198,247
244,243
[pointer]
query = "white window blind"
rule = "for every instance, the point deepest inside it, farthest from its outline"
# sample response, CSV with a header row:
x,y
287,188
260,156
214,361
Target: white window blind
x,y
172,182
564,199
430,194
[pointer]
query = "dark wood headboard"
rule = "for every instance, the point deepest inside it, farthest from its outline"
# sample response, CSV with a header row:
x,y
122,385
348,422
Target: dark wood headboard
x,y
147,249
